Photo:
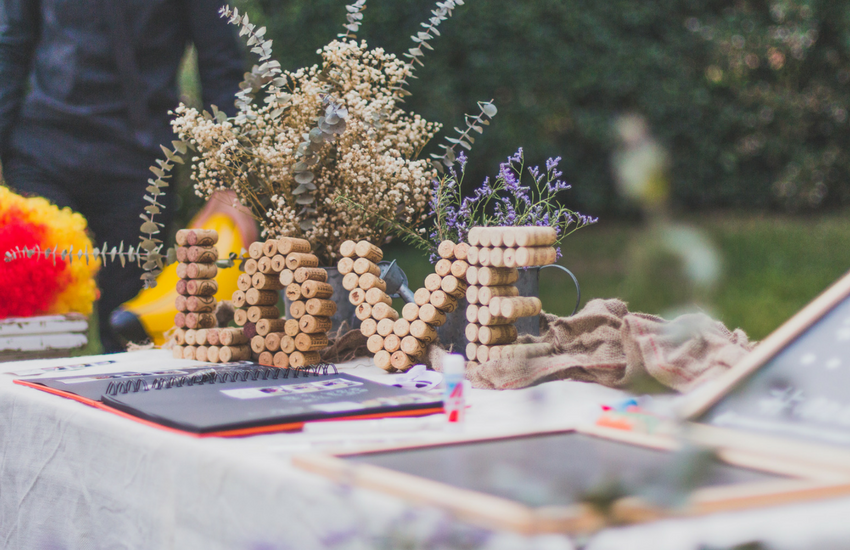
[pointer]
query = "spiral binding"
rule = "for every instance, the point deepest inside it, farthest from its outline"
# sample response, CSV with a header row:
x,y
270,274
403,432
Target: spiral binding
x,y
213,376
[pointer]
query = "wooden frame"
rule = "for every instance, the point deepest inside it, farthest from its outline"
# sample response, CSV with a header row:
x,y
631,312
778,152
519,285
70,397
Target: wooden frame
x,y
495,512
753,442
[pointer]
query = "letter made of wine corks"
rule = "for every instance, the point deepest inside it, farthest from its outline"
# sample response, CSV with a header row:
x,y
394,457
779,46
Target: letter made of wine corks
x,y
196,288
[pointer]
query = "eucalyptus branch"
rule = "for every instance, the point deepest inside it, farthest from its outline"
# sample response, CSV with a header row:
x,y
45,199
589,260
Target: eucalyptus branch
x,y
354,18
473,124
133,255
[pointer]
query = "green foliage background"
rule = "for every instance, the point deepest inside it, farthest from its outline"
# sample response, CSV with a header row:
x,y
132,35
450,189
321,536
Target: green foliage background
x,y
743,129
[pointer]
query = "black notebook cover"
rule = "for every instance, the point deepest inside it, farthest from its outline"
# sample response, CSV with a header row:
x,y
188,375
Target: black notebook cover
x,y
229,406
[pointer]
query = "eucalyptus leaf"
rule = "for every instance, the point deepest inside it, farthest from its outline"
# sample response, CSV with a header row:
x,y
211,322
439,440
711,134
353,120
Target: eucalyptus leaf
x,y
489,109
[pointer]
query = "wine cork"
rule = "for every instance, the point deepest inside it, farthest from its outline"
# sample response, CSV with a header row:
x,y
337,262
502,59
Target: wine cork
x,y
298,359
240,317
482,354
461,250
423,331
299,259
364,265
453,286
375,343
487,292
287,344
189,337
180,302
484,237
370,280
312,325
363,311
255,250
433,282
270,248
471,351
264,265
255,313
485,318
316,289
345,266
525,306
250,266
182,253
228,354
303,274
267,326
496,257
288,245
492,276
412,346
459,269
432,315
213,354
472,294
401,328
256,297
509,257
472,275
201,337
278,263
238,299
321,308
201,287
473,236
293,292
346,249
281,360
298,309
509,237
181,238
351,281
292,327
472,255
368,327
446,250
179,336
471,332
258,344
212,336
443,267
183,270
189,352
365,249
383,311
266,359
443,301
392,343
272,341
262,281
376,295
536,236
535,256
287,277
422,296
202,254
382,360
496,236
472,313
200,320
201,304
243,283
311,342
385,327
410,312
401,361
232,337
250,330
357,296
503,334
484,256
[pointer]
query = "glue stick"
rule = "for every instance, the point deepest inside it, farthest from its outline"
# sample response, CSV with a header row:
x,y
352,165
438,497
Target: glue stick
x,y
454,400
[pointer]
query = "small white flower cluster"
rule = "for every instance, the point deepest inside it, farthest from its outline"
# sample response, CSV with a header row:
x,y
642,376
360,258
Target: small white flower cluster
x,y
374,162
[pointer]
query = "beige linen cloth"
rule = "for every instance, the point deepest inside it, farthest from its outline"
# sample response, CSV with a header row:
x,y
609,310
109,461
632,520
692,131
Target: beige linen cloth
x,y
606,344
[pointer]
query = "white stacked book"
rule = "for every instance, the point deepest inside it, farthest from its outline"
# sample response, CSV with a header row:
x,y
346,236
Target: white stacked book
x,y
41,337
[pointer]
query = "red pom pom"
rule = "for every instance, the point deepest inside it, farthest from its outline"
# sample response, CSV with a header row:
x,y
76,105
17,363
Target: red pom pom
x,y
28,286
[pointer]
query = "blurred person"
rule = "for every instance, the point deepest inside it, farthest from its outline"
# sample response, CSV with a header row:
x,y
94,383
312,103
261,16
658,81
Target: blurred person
x,y
85,90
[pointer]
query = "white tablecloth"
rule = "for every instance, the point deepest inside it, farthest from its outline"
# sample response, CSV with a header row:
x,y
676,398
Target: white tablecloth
x,y
73,477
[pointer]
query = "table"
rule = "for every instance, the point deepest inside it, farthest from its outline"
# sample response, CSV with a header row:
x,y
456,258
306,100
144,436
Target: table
x,y
73,477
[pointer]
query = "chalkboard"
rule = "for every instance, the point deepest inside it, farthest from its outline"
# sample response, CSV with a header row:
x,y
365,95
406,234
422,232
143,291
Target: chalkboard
x,y
797,383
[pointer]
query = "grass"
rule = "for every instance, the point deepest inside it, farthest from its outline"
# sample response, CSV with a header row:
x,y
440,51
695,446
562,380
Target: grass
x,y
773,266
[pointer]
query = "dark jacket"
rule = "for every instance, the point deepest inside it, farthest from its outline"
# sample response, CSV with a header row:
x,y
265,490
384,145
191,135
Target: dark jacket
x,y
91,81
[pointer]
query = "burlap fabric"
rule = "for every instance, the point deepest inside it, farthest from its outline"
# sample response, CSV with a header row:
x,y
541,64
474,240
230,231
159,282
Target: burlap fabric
x,y
606,344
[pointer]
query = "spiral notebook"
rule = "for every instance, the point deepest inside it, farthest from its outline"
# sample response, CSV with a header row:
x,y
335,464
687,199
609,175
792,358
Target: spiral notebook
x,y
239,399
